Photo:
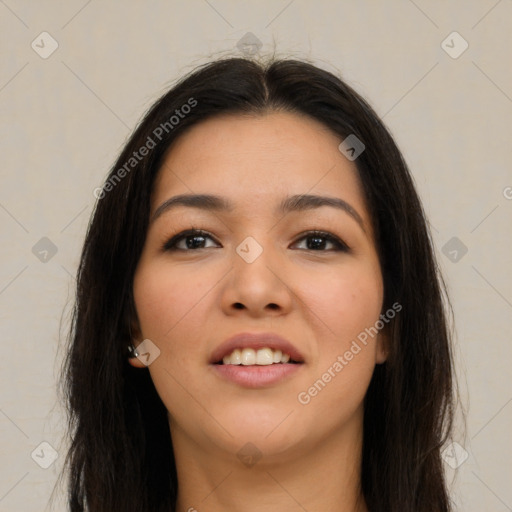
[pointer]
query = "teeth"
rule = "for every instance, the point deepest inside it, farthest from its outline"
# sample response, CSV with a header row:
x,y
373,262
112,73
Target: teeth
x,y
264,356
234,358
248,357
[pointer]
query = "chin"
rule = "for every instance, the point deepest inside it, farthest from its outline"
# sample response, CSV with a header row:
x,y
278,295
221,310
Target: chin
x,y
271,431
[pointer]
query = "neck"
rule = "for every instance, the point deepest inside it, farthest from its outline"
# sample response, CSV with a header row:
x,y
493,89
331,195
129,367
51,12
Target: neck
x,y
323,476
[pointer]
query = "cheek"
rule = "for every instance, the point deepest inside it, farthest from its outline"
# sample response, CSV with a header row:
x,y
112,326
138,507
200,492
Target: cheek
x,y
347,302
165,298
172,314
344,301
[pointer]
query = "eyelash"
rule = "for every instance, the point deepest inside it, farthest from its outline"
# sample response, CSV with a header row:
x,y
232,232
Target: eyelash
x,y
170,245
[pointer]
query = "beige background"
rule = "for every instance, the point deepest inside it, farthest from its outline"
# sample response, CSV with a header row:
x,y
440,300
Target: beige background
x,y
64,119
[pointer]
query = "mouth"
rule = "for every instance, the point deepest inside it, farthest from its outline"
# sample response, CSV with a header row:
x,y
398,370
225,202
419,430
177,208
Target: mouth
x,y
256,360
264,356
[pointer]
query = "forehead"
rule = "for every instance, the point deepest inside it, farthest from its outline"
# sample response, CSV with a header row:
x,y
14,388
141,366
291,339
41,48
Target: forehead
x,y
258,159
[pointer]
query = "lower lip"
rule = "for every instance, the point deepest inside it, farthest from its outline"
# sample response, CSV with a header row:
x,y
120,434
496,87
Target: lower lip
x,y
256,376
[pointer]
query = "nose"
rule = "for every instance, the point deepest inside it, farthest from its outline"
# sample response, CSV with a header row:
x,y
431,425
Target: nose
x,y
259,286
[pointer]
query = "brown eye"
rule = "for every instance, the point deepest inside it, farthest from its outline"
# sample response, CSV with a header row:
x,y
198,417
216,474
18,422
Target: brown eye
x,y
318,240
192,238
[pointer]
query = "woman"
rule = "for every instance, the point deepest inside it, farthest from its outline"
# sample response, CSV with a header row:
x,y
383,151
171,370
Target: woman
x,y
259,322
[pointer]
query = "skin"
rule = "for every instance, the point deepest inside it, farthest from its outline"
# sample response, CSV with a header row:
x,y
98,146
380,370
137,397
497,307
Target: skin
x,y
188,302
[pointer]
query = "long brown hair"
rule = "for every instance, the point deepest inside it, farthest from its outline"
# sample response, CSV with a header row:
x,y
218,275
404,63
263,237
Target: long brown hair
x,y
120,457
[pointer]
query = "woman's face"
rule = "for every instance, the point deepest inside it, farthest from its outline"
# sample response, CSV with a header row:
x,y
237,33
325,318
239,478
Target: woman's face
x,y
257,270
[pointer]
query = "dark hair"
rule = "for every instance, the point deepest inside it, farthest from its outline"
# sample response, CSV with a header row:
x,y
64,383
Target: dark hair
x,y
120,457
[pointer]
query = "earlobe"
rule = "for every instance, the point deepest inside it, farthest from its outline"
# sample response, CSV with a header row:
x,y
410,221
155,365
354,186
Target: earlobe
x,y
382,347
133,359
382,356
135,334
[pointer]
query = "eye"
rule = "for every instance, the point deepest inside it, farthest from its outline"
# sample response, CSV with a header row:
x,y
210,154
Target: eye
x,y
193,238
319,240
196,239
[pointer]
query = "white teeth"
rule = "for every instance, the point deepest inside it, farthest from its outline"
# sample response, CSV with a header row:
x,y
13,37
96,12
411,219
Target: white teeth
x,y
264,356
249,357
236,357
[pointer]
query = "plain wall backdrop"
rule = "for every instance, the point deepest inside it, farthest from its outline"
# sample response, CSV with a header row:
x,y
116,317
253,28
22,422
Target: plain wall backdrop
x,y
437,72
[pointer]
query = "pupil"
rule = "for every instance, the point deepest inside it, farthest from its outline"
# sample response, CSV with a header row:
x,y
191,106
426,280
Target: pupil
x,y
317,242
193,244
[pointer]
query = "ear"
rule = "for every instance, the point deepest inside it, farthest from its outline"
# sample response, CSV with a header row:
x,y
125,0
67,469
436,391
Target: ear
x,y
383,343
136,339
134,361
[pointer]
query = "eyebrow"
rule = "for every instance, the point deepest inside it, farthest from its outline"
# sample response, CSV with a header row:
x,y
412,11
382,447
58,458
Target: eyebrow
x,y
295,203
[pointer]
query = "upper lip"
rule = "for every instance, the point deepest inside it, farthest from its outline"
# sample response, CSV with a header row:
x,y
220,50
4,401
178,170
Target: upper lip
x,y
256,341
